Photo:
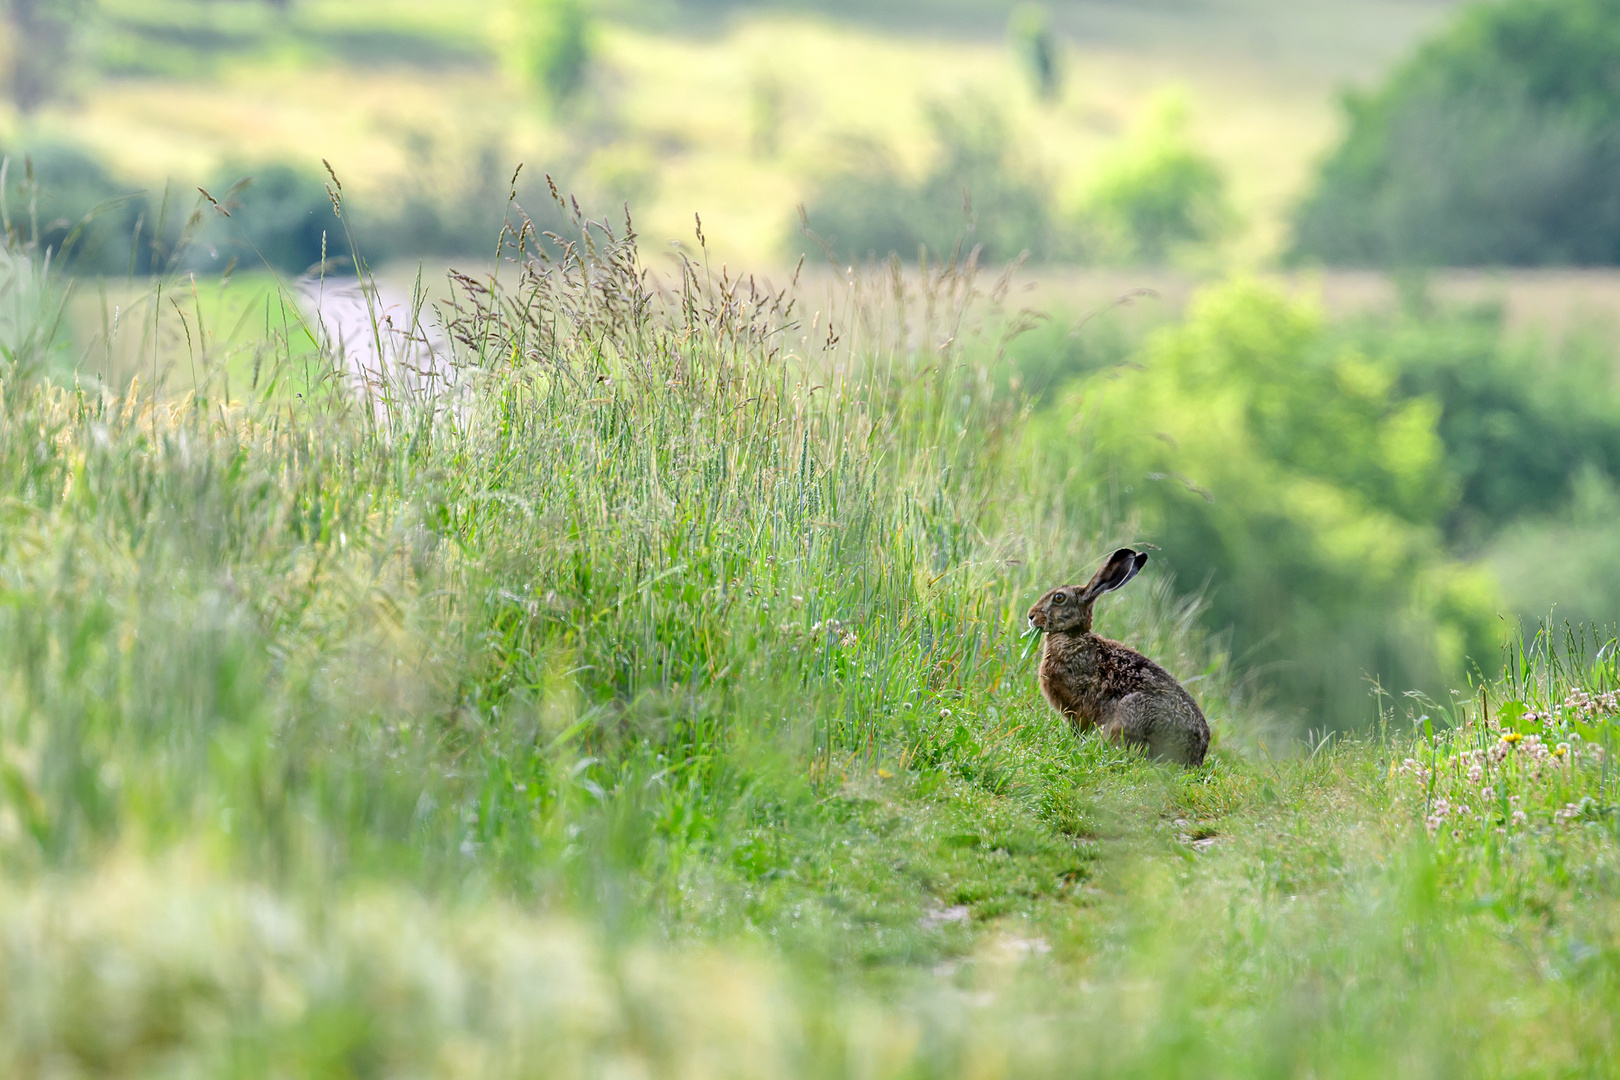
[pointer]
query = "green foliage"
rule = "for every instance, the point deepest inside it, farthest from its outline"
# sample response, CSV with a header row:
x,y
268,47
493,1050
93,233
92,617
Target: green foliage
x,y
1030,33
1520,419
976,194
1290,474
1496,143
557,52
279,217
60,198
1564,564
1160,195
276,215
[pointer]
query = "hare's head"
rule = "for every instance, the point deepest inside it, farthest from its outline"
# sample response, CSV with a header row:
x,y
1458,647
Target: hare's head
x,y
1068,607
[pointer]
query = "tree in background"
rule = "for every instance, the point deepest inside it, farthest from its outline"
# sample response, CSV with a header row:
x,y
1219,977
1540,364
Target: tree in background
x,y
1032,39
1497,143
41,32
557,46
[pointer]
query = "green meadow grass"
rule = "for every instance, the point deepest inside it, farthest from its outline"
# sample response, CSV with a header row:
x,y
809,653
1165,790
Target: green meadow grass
x,y
656,704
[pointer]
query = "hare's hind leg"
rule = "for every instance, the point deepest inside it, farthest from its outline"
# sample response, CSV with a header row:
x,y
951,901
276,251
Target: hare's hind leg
x,y
1130,721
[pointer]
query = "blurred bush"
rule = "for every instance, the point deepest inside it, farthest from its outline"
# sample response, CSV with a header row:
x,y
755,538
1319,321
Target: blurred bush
x,y
61,199
1159,196
1362,498
1497,143
1289,470
1521,419
556,46
977,193
279,215
1565,565
1030,32
1158,200
64,201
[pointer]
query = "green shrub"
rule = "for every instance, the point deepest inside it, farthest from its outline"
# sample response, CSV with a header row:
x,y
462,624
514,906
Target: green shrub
x,y
557,51
90,220
1497,143
1564,565
1287,471
1030,32
1160,195
976,193
1520,420
278,214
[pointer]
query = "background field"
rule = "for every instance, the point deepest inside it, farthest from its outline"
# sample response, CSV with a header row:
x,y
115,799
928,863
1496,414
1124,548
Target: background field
x,y
397,93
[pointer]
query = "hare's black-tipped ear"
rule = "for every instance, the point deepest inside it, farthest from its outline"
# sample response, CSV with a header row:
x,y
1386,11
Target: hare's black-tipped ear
x,y
1121,566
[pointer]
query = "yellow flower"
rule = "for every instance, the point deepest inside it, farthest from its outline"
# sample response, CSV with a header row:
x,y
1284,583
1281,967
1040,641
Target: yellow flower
x,y
885,774
1512,737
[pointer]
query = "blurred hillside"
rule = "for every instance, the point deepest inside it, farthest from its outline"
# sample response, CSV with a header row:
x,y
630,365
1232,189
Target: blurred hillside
x,y
736,111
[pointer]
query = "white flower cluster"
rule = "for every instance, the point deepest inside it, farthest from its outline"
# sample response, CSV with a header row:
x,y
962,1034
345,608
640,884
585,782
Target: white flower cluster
x,y
845,632
1443,809
1579,705
1568,814
1415,769
1591,706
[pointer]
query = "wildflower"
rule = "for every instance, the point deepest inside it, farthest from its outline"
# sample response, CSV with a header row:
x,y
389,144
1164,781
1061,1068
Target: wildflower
x,y
1488,794
1511,737
1475,774
1520,817
848,640
1561,750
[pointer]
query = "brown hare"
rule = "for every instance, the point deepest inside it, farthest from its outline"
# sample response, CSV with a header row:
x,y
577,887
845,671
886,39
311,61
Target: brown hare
x,y
1100,683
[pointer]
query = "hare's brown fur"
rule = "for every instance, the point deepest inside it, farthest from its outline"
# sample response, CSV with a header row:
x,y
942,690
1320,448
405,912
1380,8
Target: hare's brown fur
x,y
1099,683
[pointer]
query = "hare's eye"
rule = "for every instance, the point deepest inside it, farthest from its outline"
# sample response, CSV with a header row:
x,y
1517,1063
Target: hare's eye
x,y
1058,598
